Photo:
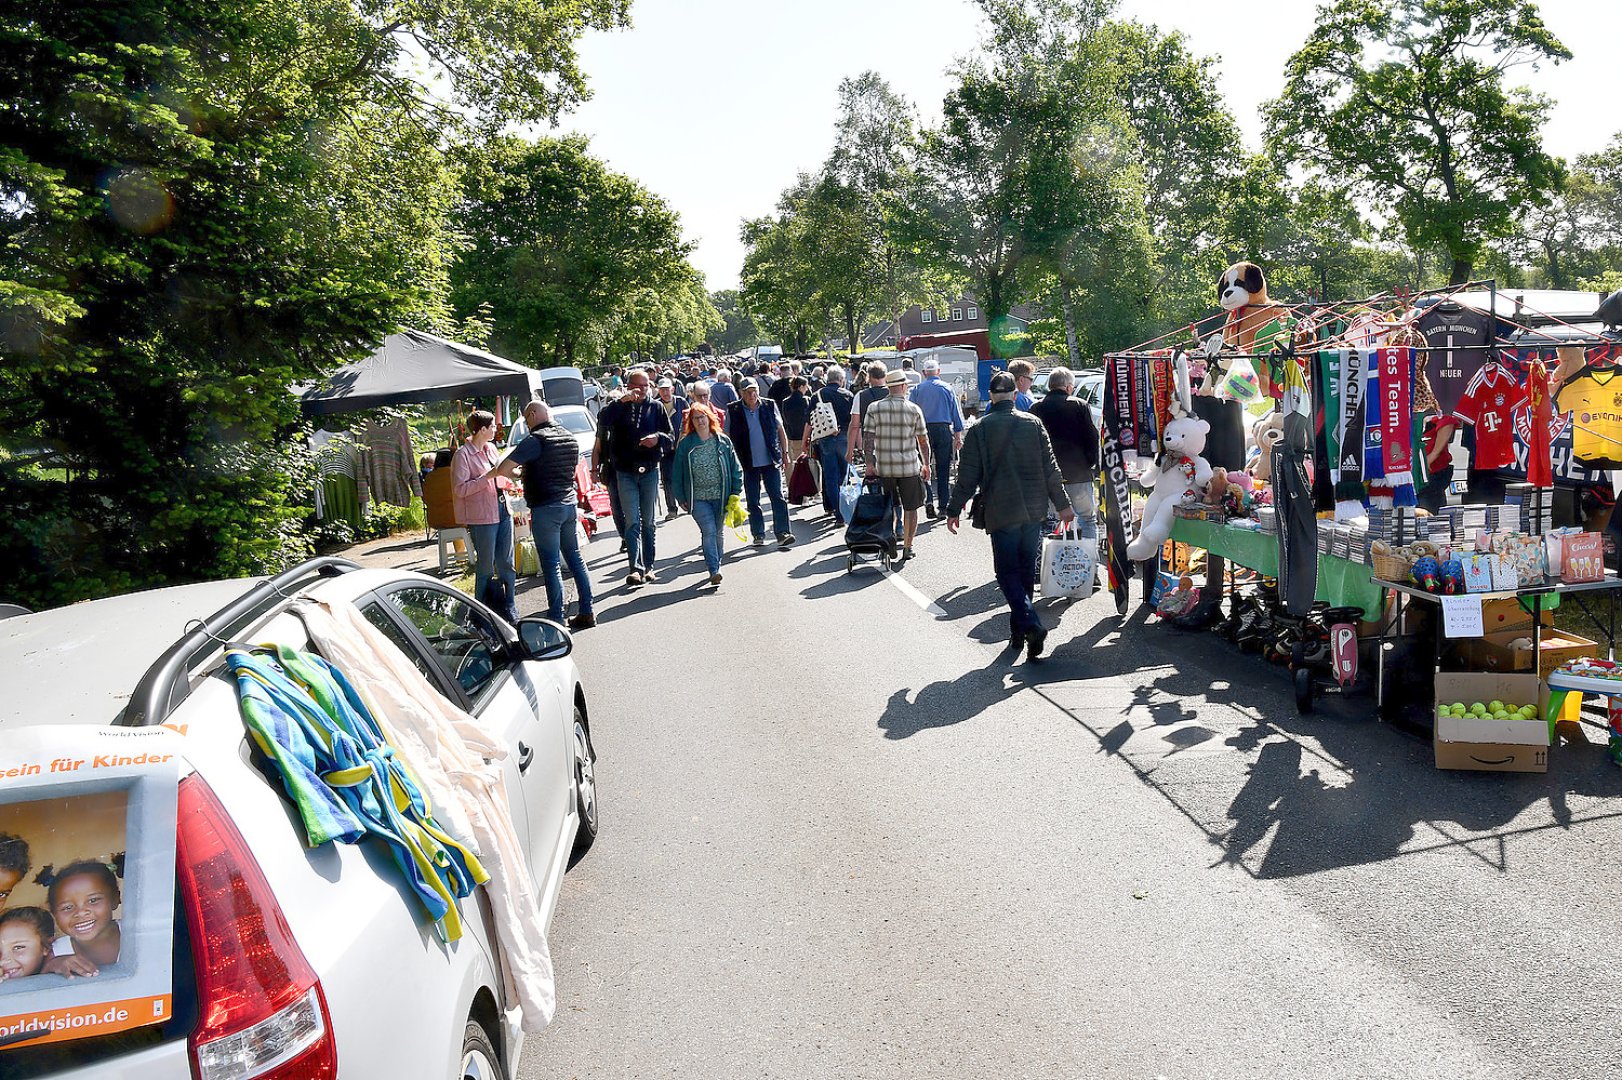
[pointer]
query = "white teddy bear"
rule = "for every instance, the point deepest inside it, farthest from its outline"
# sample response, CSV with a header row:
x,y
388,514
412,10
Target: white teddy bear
x,y
1182,476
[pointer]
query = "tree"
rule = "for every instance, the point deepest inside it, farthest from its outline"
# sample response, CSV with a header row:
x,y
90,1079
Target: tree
x,y
779,278
557,242
997,187
202,203
1404,102
738,330
1578,235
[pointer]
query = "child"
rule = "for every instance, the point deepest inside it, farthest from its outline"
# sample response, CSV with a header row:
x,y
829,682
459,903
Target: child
x,y
26,934
83,898
14,864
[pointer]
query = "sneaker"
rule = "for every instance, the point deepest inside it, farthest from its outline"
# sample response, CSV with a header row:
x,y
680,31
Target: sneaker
x,y
786,540
583,621
1034,641
931,513
649,576
1016,639
906,555
633,579
760,541
625,545
715,579
671,516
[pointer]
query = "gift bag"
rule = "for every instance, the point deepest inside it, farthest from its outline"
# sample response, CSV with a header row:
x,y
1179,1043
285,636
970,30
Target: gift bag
x,y
824,421
801,484
1069,565
849,492
526,560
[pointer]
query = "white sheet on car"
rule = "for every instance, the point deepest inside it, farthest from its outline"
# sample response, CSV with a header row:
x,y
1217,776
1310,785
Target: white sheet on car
x,y
453,758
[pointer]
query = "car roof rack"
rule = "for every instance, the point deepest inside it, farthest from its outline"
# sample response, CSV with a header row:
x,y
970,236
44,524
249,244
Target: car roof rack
x,y
167,682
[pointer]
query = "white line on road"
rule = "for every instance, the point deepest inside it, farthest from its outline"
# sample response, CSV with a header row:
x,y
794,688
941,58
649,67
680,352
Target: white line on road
x,y
914,595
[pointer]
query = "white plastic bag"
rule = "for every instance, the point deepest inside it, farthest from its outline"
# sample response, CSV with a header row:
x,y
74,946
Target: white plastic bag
x,y
849,492
1241,384
1069,564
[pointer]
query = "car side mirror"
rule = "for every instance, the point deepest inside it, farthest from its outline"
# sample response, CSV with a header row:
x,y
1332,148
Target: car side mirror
x,y
544,639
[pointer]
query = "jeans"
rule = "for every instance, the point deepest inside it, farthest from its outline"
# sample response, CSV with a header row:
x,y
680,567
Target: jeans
x,y
772,477
710,513
493,561
557,538
639,495
667,483
831,452
1084,501
940,448
1014,551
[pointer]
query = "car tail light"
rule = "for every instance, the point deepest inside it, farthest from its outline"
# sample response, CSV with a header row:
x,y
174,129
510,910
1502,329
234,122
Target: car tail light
x,y
262,1013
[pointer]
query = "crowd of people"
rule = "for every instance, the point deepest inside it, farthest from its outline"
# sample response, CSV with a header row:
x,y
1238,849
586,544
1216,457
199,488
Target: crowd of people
x,y
718,444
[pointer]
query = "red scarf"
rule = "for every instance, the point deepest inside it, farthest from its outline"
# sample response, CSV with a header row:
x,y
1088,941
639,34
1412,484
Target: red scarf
x,y
1397,415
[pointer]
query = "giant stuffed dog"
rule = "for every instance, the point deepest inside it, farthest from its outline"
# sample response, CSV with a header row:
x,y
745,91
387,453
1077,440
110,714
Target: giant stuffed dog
x,y
1255,324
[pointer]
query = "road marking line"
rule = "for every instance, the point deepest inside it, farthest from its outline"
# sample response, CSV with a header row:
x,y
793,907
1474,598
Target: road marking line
x,y
914,595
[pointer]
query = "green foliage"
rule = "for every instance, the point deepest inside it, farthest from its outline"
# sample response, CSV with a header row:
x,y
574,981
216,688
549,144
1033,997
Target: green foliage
x,y
738,330
1405,103
570,258
203,202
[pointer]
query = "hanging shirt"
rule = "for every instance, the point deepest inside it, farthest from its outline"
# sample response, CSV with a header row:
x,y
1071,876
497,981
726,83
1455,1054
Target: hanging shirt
x,y
1458,337
1593,397
1487,405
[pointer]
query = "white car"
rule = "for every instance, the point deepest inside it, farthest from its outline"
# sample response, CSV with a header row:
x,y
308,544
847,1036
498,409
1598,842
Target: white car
x,y
581,424
362,979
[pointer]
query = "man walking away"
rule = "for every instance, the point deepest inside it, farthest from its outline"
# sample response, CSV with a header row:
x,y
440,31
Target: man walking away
x,y
943,417
549,455
1008,465
761,443
1070,428
907,370
675,407
895,444
875,391
830,450
722,393
636,432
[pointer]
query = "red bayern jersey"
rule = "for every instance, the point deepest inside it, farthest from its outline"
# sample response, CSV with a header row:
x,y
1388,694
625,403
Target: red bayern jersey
x,y
1487,404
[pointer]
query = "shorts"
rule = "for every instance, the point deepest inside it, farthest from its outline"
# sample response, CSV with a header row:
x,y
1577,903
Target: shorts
x,y
908,489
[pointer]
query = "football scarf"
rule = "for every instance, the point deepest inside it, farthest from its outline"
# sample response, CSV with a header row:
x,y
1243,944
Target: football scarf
x,y
1397,422
1329,365
1144,387
1539,459
1373,433
1349,488
1117,492
1122,393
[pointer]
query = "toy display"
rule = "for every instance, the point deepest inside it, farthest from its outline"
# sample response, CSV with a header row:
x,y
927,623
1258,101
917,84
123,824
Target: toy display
x,y
1181,477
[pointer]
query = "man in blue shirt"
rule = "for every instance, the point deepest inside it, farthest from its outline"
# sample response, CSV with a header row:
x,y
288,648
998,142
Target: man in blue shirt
x,y
943,421
1024,373
722,393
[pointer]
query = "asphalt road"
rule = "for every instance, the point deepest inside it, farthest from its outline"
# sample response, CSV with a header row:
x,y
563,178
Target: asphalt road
x,y
843,835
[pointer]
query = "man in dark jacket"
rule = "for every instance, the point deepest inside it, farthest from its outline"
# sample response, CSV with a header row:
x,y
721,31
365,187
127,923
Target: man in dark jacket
x,y
549,456
635,432
1070,427
757,435
1008,462
830,450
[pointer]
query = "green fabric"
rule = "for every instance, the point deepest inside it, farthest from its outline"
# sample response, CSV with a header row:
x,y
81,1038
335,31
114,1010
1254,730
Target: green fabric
x,y
1341,582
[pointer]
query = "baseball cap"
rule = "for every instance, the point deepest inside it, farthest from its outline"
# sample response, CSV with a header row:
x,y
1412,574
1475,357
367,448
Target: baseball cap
x,y
664,383
931,364
895,378
748,384
1003,383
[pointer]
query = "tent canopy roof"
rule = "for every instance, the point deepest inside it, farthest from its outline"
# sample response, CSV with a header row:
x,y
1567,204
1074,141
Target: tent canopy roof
x,y
412,368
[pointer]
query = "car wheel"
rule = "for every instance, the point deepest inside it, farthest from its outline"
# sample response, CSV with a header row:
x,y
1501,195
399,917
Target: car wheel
x,y
479,1060
585,786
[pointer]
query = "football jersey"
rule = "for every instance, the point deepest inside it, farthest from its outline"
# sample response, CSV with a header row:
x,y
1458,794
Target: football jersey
x,y
1593,397
1457,336
1487,405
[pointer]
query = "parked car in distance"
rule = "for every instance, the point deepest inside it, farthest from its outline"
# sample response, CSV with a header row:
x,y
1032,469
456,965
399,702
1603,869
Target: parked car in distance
x,y
581,424
358,975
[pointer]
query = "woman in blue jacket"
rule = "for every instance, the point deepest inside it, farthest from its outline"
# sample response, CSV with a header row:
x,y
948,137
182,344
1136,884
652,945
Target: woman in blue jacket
x,y
707,473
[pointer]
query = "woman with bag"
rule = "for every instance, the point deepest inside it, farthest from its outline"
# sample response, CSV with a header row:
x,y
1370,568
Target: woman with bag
x,y
795,410
707,474
480,506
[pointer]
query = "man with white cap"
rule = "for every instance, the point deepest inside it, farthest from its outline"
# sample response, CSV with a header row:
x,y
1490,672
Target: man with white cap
x,y
895,445
943,419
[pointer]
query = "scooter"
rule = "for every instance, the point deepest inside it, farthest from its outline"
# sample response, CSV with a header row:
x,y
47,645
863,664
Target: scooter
x,y
1324,660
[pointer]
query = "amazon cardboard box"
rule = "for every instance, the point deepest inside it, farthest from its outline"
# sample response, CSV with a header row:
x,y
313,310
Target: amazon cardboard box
x,y
1491,745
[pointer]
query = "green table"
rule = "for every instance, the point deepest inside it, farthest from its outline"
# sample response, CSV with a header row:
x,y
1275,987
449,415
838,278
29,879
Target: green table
x,y
1341,582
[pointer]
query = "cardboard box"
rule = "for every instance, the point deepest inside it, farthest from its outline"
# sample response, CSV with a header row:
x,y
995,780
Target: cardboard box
x,y
1494,652
1492,757
1491,745
1507,614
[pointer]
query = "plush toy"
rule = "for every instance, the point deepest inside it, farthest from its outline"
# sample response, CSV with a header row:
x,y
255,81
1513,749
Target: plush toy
x,y
1452,576
1217,490
1255,323
1427,573
1266,433
1181,477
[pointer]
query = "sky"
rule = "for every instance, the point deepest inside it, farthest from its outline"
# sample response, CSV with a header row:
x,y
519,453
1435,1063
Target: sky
x,y
716,105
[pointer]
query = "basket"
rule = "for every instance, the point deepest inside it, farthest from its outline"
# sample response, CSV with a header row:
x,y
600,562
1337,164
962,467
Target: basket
x,y
1389,567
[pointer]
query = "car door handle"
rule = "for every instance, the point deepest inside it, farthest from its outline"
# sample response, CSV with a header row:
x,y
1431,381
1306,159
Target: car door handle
x,y
525,756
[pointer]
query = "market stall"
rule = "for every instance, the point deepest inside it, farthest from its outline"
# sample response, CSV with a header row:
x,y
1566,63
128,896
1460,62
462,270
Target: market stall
x,y
1305,452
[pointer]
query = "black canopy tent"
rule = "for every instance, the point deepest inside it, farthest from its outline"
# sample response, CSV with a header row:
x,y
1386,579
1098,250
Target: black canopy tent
x,y
412,368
